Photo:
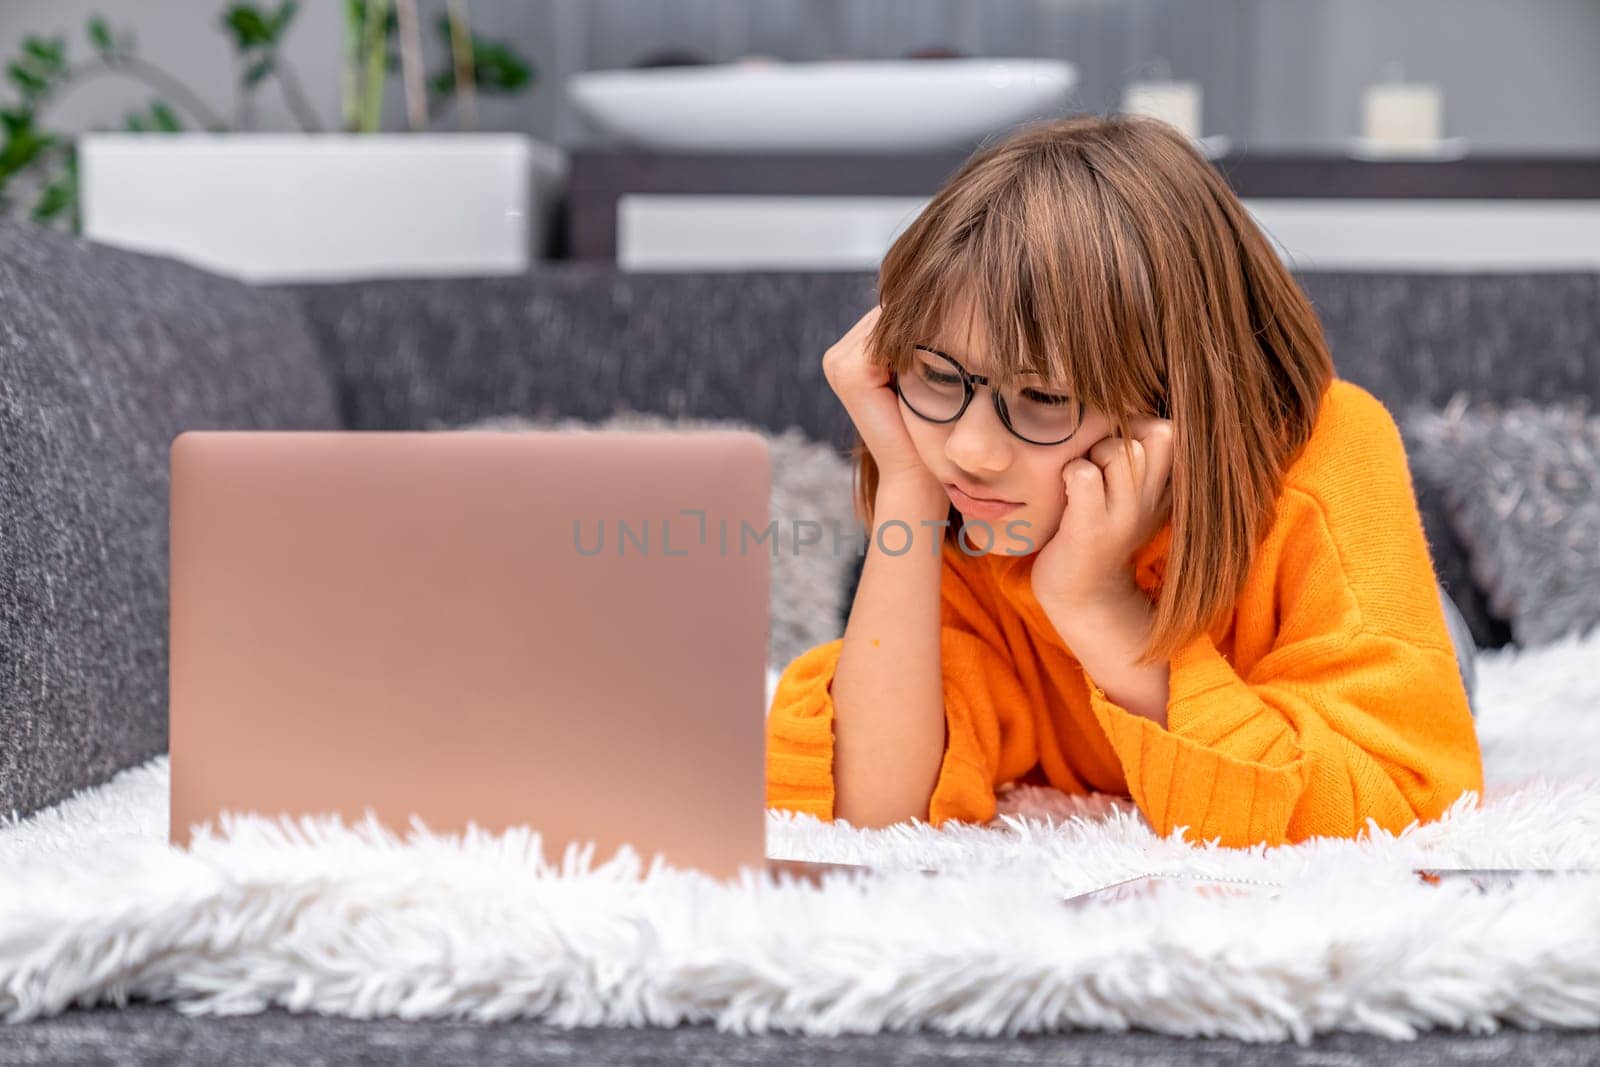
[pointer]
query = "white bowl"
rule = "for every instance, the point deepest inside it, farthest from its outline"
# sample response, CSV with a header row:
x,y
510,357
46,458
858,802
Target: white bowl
x,y
831,105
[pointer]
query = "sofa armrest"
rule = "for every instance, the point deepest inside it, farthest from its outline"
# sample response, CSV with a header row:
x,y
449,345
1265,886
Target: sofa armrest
x,y
108,355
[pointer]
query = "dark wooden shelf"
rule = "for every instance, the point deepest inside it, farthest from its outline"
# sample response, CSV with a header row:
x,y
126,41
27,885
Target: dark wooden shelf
x,y
599,176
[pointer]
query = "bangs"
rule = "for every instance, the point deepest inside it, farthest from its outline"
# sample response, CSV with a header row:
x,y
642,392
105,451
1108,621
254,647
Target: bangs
x,y
1064,295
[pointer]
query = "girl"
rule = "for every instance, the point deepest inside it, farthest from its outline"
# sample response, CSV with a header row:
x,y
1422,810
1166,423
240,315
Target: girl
x,y
1127,532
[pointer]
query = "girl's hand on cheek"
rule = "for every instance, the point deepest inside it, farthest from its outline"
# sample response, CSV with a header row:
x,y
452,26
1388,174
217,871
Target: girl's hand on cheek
x,y
868,396
1113,509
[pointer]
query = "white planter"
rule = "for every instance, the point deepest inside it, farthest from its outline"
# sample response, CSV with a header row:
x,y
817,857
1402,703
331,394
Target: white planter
x,y
324,207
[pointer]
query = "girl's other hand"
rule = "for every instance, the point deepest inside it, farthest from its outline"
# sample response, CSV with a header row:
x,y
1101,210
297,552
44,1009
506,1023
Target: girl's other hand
x,y
1113,509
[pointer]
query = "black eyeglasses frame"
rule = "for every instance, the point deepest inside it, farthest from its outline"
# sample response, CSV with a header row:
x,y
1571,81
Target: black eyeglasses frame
x,y
969,383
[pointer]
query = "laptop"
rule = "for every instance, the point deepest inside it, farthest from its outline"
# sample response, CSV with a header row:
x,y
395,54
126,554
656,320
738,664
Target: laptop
x,y
566,630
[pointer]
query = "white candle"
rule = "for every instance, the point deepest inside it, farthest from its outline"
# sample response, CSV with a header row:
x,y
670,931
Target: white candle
x,y
1173,102
1401,113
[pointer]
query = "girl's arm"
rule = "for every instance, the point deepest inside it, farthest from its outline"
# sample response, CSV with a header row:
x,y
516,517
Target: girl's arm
x,y
979,729
889,729
916,711
1356,715
1317,739
1107,640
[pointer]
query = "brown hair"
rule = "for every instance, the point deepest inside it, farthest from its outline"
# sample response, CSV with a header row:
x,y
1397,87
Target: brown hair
x,y
1110,256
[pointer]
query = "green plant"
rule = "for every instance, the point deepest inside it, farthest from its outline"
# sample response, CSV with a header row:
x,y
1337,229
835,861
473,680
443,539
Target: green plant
x,y
256,38
478,64
41,76
39,165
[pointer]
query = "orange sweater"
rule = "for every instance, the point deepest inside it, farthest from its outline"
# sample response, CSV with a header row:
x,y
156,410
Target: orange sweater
x,y
1329,697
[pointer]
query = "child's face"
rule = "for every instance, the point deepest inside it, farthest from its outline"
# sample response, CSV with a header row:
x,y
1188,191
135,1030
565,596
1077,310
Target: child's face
x,y
978,452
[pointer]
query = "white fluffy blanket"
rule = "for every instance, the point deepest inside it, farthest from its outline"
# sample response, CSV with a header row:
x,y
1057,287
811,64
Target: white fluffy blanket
x,y
94,907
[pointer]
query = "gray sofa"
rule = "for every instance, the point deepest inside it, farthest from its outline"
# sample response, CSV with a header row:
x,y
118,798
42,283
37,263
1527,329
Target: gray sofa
x,y
107,354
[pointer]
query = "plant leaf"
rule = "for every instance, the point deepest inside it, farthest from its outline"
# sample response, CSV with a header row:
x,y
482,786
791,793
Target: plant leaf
x,y
47,56
21,149
100,34
498,69
57,197
16,120
135,123
165,120
250,27
29,82
258,70
496,66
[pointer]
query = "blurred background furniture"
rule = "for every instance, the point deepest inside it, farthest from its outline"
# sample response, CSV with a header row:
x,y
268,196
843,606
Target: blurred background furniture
x,y
780,135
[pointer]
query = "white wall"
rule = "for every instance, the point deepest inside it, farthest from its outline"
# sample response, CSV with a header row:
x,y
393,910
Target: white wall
x,y
183,37
1517,76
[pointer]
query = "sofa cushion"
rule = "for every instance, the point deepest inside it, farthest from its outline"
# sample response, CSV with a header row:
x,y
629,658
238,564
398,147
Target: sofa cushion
x,y
107,355
1521,485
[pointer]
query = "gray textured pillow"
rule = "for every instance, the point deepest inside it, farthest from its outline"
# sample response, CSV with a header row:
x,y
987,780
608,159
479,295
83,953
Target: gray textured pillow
x,y
1522,487
810,481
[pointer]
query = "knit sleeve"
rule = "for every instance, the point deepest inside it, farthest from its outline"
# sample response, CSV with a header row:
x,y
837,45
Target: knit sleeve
x,y
1357,713
1378,729
989,735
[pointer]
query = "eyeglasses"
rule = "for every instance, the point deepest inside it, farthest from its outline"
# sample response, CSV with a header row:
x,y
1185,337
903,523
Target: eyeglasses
x,y
938,389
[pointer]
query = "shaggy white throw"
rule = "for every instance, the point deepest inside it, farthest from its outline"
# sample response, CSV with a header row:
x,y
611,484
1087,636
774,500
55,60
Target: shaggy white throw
x,y
95,907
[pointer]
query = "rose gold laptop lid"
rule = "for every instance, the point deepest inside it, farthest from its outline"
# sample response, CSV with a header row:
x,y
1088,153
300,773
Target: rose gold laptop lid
x,y
567,630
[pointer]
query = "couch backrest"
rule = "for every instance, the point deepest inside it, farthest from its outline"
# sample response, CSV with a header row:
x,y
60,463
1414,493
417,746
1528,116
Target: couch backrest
x,y
1419,339
580,339
107,355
